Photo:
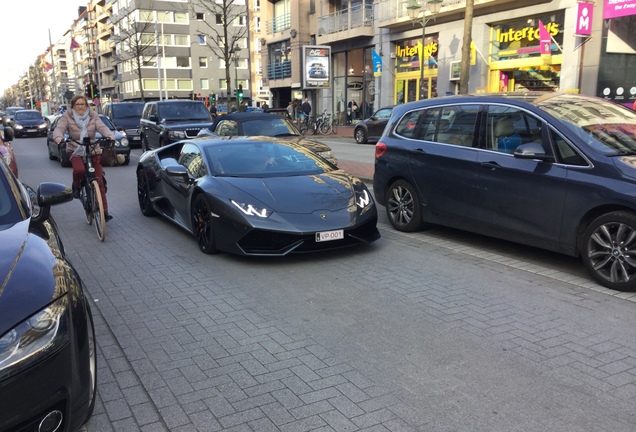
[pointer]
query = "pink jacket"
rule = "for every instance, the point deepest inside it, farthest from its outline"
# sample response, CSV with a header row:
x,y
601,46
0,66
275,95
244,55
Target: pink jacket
x,y
67,123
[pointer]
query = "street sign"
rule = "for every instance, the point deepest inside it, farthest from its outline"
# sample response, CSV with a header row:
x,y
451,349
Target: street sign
x,y
95,101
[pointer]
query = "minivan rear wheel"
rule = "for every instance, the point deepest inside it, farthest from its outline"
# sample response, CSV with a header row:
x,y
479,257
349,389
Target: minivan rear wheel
x,y
403,207
608,250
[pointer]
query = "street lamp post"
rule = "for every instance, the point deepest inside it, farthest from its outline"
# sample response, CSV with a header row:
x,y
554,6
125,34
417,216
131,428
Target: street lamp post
x,y
235,57
163,57
417,14
157,56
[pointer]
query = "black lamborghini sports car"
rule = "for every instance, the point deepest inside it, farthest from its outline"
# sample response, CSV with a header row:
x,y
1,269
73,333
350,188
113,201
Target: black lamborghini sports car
x,y
255,196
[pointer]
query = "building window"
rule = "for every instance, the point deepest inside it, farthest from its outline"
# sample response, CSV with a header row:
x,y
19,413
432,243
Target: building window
x,y
200,16
183,62
219,19
222,84
203,62
257,5
181,17
257,24
201,39
181,40
204,84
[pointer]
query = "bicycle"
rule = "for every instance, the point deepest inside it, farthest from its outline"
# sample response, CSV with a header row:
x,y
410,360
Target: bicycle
x,y
325,125
90,191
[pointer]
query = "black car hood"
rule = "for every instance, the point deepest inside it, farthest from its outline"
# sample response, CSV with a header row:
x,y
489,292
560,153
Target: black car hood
x,y
28,268
182,124
332,191
28,123
127,122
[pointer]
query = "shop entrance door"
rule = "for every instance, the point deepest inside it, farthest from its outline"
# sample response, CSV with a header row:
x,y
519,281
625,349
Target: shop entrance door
x,y
406,90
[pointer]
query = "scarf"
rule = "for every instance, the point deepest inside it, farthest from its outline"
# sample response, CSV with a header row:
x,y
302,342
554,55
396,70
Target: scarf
x,y
82,123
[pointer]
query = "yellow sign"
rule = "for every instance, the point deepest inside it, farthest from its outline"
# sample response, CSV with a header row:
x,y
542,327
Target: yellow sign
x,y
526,33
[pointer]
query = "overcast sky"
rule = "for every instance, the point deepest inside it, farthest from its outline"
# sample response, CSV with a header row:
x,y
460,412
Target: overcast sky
x,y
25,32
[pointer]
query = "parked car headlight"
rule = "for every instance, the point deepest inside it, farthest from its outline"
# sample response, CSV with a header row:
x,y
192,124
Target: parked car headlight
x,y
19,126
250,210
34,338
326,154
123,142
177,135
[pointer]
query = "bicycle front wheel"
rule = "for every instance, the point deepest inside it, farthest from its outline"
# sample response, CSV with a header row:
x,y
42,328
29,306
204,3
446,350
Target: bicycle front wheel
x,y
98,210
85,199
334,126
325,128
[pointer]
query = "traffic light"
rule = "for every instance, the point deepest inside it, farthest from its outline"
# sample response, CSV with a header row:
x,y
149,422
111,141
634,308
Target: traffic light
x,y
212,97
95,92
88,90
239,93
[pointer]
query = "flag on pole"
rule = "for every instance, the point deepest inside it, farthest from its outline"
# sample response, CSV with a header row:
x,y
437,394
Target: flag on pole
x,y
74,44
48,66
545,41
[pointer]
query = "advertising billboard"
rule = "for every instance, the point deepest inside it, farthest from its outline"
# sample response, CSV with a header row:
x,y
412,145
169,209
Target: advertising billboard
x,y
316,67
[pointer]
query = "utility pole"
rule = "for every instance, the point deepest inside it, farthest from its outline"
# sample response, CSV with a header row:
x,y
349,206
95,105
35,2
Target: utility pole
x,y
465,64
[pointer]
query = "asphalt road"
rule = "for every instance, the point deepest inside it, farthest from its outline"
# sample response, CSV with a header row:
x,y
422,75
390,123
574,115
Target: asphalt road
x,y
432,331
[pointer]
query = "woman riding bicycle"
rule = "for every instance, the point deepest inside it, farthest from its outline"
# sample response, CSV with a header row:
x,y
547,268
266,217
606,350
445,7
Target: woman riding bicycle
x,y
80,122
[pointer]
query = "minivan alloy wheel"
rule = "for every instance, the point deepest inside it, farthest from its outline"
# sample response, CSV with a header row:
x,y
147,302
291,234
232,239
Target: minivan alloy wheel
x,y
403,207
609,250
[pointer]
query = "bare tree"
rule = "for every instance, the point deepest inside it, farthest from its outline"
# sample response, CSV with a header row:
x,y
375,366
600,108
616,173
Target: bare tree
x,y
225,25
136,41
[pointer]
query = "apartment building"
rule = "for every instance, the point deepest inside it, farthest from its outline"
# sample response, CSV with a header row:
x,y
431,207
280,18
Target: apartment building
x,y
336,52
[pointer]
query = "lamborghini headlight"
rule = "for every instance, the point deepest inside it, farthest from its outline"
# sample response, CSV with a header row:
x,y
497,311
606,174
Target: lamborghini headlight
x,y
250,210
34,338
363,200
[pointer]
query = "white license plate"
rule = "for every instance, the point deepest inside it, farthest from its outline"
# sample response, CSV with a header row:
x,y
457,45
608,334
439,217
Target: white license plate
x,y
136,138
329,235
32,130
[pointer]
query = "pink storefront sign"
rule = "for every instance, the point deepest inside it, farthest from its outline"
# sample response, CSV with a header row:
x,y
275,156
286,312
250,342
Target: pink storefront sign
x,y
618,8
584,15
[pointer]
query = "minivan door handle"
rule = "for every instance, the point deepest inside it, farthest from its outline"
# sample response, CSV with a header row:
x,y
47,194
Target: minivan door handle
x,y
490,165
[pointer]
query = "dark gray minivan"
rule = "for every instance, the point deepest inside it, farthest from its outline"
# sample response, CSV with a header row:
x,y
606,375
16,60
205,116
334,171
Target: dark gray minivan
x,y
125,116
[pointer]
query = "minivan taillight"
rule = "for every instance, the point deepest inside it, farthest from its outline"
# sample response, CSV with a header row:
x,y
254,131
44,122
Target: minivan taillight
x,y
380,149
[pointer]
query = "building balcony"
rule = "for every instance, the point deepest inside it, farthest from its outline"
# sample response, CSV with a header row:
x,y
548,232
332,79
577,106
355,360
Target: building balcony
x,y
279,70
346,24
393,13
278,24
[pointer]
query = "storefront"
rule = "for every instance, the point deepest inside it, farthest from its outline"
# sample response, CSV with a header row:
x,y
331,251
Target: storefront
x,y
525,56
617,69
408,70
353,85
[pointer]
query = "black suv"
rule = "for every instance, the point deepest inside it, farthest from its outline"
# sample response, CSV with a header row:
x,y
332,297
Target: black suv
x,y
125,116
165,122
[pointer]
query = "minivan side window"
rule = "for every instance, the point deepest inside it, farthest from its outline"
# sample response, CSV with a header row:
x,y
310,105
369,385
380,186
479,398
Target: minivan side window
x,y
448,125
509,127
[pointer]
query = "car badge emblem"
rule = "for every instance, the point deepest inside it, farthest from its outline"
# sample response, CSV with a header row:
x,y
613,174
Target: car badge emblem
x,y
323,216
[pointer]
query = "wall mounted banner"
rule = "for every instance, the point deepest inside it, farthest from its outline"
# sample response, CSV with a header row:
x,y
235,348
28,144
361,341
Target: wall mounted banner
x,y
377,64
584,16
316,67
618,8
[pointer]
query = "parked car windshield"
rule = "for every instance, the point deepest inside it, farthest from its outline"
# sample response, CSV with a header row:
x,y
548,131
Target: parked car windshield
x,y
9,208
274,126
128,110
183,111
605,126
107,122
28,115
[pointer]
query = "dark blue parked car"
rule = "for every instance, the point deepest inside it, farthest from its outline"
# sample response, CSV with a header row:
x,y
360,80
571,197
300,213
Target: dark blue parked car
x,y
555,171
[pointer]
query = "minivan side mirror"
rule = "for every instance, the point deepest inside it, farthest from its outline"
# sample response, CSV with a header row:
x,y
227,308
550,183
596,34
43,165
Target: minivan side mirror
x,y
153,118
533,150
